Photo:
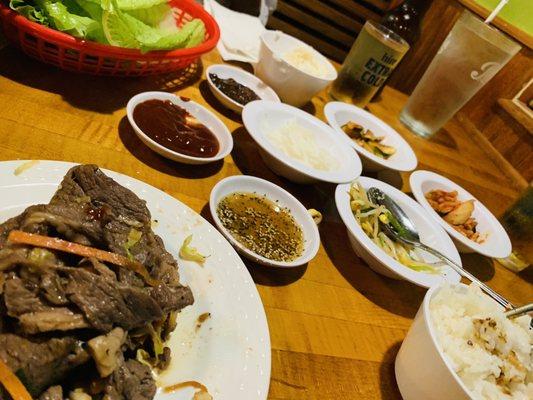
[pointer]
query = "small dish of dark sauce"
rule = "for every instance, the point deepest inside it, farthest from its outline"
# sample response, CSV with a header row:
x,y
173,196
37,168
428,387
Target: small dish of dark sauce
x,y
173,127
234,90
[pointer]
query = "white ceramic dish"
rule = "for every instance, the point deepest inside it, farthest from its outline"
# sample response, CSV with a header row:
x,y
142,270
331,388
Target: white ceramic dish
x,y
261,117
337,114
422,371
198,111
497,244
293,85
230,354
430,232
273,192
223,71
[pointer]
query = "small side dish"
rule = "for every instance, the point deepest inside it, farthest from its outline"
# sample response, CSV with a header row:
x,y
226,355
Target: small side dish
x,y
456,213
369,216
234,90
300,143
261,225
489,352
367,140
173,127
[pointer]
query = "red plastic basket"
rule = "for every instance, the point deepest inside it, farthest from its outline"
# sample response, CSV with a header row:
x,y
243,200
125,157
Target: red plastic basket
x,y
74,54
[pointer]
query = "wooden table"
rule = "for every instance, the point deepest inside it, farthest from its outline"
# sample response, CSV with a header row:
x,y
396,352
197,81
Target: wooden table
x,y
335,325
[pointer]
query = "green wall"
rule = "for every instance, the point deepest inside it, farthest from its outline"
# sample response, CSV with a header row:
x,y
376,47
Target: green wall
x,y
517,12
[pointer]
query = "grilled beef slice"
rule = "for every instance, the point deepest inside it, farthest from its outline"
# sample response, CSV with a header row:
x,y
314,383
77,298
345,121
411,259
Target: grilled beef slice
x,y
131,381
41,363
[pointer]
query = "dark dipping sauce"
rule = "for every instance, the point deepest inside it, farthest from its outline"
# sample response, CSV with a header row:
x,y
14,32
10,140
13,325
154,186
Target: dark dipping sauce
x,y
261,225
234,90
174,128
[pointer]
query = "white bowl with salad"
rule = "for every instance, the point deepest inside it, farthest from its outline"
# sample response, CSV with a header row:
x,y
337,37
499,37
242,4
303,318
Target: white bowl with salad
x,y
379,145
384,256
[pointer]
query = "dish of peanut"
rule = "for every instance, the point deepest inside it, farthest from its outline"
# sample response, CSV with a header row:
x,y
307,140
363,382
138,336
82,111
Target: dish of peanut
x,y
455,212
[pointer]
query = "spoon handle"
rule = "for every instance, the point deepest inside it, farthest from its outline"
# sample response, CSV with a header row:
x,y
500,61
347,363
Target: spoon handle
x,y
501,300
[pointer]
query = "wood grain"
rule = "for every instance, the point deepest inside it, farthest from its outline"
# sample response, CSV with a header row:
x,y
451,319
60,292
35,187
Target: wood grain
x,y
335,325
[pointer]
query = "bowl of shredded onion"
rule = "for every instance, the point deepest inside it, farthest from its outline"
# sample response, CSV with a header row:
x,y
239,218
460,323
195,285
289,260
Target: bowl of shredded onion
x,y
393,259
298,146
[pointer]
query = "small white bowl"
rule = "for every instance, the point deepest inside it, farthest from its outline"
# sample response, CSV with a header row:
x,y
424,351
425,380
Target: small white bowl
x,y
259,117
430,233
422,370
497,243
337,114
250,184
264,91
206,117
293,85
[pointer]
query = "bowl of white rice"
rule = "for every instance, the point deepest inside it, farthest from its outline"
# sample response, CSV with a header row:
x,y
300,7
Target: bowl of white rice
x,y
461,346
295,70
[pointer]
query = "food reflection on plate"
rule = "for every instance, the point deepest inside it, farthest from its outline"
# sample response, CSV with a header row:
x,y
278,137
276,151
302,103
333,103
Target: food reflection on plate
x,y
87,284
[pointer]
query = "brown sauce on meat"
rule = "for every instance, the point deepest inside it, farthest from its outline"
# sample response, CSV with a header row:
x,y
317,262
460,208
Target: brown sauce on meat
x,y
174,128
234,90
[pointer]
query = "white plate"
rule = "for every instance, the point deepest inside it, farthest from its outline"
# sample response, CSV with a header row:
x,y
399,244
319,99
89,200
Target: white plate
x,y
337,114
497,244
230,353
430,233
244,78
202,114
273,192
260,117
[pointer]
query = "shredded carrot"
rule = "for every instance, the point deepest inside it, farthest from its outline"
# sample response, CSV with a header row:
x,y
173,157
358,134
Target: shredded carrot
x,y
12,384
47,242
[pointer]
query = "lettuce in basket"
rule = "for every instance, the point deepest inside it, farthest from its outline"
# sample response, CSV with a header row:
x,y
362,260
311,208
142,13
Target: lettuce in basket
x,y
136,24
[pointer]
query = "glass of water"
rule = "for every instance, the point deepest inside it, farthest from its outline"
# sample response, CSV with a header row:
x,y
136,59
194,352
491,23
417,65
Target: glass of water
x,y
472,53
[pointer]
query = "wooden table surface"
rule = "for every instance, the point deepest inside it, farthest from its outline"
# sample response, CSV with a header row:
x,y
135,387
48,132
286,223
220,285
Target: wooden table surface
x,y
335,325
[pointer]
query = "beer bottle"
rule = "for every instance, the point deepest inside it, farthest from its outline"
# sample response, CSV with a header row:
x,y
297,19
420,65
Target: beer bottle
x,y
405,20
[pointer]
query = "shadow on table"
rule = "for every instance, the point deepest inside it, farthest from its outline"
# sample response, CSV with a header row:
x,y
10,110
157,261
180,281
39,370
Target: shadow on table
x,y
96,93
387,377
396,296
480,266
140,151
262,275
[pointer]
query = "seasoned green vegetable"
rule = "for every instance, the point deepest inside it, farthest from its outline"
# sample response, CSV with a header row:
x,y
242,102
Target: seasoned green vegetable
x,y
136,24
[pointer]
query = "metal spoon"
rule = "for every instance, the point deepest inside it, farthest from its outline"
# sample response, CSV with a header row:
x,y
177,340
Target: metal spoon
x,y
402,229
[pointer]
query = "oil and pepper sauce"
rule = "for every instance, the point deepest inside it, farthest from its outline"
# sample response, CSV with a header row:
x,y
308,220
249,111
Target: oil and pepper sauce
x,y
261,225
234,90
174,128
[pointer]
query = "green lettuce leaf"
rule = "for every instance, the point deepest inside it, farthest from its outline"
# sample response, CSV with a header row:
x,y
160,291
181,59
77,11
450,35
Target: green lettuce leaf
x,y
153,15
138,4
61,19
30,11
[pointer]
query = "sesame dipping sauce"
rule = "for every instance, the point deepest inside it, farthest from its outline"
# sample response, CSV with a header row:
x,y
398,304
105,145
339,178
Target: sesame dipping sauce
x,y
261,225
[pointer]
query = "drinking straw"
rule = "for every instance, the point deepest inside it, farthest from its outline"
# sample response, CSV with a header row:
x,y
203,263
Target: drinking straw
x,y
496,11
